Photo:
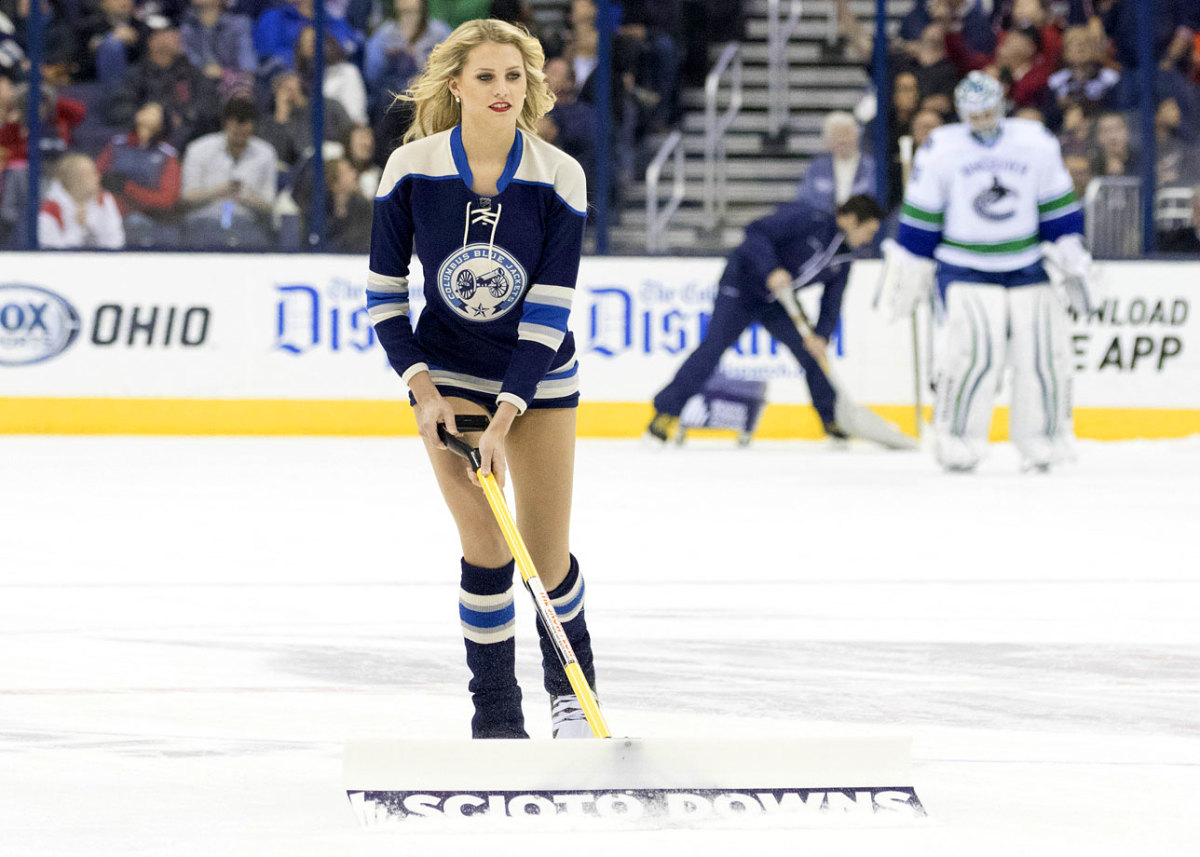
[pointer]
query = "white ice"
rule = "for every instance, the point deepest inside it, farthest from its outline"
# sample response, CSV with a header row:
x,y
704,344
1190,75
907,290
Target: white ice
x,y
191,628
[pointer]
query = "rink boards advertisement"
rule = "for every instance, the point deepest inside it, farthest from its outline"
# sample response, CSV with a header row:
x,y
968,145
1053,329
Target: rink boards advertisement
x,y
161,343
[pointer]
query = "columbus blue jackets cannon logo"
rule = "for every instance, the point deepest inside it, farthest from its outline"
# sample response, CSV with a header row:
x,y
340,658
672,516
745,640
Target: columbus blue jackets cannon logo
x,y
495,281
481,282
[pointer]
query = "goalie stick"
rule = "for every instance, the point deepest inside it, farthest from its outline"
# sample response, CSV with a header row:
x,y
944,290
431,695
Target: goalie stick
x,y
856,420
533,583
906,165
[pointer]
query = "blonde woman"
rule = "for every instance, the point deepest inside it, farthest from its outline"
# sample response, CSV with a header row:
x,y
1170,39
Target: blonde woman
x,y
496,215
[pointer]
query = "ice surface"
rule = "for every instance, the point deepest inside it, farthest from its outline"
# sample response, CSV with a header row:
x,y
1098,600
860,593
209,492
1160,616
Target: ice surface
x,y
191,628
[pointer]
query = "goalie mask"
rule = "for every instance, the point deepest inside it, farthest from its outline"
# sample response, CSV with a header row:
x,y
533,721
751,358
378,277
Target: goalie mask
x,y
979,100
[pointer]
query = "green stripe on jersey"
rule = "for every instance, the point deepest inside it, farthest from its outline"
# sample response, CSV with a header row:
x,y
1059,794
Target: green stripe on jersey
x,y
1056,203
1014,246
921,214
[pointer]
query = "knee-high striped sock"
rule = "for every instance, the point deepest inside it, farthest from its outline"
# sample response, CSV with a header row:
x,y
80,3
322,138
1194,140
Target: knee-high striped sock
x,y
567,599
485,607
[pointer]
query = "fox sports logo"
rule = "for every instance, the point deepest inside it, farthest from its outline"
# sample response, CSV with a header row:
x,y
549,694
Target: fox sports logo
x,y
35,324
481,282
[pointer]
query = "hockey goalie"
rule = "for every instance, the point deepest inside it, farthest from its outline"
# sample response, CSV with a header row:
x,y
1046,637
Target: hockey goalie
x,y
990,225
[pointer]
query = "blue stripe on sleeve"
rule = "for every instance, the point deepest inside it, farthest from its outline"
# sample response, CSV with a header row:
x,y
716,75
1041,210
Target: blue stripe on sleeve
x,y
570,372
546,315
1070,223
374,299
919,242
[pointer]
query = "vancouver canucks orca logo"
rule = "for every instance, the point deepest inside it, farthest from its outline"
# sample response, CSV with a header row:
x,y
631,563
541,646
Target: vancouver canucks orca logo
x,y
985,203
481,282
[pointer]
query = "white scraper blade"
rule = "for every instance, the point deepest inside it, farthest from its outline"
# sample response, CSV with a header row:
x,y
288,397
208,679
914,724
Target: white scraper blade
x,y
678,780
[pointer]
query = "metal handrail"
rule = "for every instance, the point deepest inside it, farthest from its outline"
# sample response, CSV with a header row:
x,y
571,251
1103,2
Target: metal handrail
x,y
779,33
656,221
1113,231
715,127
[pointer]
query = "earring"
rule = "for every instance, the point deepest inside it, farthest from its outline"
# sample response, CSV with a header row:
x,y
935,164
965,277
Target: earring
x,y
457,100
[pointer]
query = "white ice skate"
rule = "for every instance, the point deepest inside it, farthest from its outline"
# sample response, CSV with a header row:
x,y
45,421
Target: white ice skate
x,y
567,719
957,454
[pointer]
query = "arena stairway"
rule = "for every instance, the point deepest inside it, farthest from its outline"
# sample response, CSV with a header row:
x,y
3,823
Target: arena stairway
x,y
760,173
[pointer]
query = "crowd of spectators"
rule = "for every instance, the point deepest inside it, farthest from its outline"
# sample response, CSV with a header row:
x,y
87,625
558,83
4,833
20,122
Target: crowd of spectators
x,y
196,115
1070,64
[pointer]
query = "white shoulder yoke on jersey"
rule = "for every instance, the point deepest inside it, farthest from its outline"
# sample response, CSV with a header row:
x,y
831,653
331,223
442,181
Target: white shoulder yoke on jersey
x,y
441,156
548,165
428,157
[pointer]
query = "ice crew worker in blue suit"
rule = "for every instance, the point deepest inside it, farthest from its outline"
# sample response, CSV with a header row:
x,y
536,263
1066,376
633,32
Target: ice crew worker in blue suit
x,y
794,247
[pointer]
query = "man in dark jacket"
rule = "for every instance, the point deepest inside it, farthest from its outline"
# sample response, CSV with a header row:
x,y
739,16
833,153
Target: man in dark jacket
x,y
190,101
792,248
654,26
112,37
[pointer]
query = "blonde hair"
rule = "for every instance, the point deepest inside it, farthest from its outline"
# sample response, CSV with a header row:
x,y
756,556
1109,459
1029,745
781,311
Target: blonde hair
x,y
435,107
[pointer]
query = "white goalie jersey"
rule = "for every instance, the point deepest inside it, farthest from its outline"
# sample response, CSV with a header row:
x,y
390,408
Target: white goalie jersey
x,y
987,207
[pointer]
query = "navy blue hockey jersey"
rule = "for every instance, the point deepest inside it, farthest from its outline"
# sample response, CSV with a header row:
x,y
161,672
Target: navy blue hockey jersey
x,y
499,271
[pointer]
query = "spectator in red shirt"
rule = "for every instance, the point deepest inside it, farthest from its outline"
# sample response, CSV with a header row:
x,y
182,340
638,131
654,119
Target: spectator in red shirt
x,y
1034,13
60,116
8,103
142,172
1019,63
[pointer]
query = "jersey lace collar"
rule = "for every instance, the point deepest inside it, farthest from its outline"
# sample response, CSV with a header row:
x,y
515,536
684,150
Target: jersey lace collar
x,y
464,167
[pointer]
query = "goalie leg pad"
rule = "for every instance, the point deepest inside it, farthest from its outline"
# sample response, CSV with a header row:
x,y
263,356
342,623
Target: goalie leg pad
x,y
1040,422
970,362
